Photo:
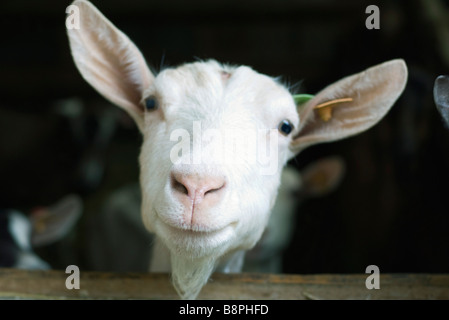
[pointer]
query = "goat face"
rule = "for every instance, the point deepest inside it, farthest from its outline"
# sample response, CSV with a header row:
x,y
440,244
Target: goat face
x,y
212,156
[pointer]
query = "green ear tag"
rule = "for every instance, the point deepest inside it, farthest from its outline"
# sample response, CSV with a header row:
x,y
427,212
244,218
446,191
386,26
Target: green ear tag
x,y
302,98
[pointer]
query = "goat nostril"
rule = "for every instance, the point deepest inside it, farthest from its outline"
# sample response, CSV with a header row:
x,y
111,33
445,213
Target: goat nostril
x,y
181,188
178,186
214,189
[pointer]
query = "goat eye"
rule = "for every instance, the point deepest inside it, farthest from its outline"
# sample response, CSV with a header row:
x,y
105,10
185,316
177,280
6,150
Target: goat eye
x,y
151,104
285,127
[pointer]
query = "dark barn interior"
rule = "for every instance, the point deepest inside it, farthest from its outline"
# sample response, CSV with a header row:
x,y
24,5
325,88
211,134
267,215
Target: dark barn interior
x,y
58,136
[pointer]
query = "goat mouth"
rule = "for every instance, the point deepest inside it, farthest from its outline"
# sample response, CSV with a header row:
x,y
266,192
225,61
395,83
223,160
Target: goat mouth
x,y
193,229
196,239
198,244
197,231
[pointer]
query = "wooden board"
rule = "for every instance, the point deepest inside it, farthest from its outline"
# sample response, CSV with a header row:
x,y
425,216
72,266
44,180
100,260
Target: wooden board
x,y
23,284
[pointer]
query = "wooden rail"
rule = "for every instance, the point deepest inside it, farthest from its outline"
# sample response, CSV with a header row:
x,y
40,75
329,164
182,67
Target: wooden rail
x,y
23,284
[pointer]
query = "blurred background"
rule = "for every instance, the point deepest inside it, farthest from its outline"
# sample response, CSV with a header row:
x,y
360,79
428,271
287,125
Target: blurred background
x,y
59,137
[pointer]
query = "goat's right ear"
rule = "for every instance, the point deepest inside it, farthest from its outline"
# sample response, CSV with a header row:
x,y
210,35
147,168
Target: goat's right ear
x,y
109,61
441,97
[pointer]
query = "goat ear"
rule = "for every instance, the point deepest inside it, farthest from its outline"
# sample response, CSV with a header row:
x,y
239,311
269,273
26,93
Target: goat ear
x,y
323,176
350,105
109,61
441,97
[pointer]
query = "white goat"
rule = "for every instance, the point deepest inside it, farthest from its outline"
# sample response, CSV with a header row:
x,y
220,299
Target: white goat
x,y
205,211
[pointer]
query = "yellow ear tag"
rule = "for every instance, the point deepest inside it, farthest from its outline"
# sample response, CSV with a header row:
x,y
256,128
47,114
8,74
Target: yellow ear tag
x,y
325,109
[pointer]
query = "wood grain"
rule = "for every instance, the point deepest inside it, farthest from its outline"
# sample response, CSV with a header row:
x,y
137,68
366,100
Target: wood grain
x,y
24,284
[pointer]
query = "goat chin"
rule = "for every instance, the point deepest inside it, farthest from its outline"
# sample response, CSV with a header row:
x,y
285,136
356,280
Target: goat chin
x,y
190,275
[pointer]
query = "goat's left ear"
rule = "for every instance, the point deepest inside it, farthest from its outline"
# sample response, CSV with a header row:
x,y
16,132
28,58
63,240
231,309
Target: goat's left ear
x,y
441,97
350,105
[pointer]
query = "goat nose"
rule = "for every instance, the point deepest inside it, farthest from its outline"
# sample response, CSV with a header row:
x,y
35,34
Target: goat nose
x,y
196,187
